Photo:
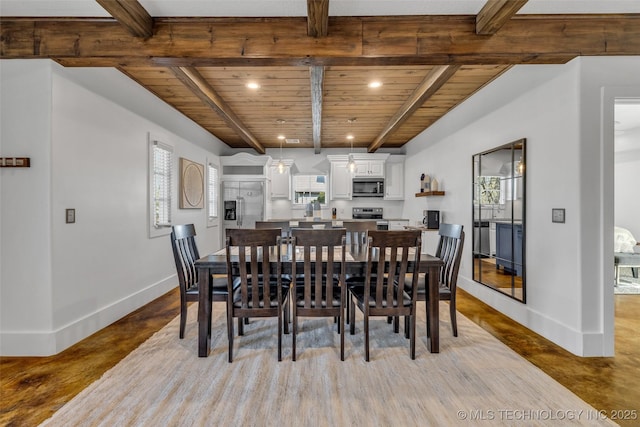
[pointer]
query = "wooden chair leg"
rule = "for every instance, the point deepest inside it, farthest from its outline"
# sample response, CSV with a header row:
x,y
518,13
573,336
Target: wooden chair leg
x,y
280,337
348,311
295,333
240,326
406,327
287,316
183,320
342,338
366,337
412,338
352,322
452,312
427,311
230,335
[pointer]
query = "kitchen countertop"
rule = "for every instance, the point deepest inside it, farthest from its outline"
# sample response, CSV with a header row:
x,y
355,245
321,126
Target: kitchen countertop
x,y
504,221
420,227
334,220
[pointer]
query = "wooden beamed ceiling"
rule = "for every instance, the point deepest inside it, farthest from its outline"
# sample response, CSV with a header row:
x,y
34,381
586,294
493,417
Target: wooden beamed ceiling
x,y
313,72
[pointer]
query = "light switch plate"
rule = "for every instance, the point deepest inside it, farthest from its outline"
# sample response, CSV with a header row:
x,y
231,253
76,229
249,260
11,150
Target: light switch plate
x,y
557,215
70,216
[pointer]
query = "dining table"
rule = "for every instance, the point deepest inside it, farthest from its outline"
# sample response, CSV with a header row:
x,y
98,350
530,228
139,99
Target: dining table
x,y
356,262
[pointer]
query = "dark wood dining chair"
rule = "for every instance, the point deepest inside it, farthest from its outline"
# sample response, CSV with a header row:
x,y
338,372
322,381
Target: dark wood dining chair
x,y
185,254
382,293
450,252
261,289
320,290
282,225
357,239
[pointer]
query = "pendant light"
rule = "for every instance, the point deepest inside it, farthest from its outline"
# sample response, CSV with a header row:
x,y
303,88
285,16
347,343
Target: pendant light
x,y
281,166
520,166
351,164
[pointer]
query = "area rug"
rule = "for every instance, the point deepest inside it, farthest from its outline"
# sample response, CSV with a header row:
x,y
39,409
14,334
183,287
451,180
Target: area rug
x,y
628,284
474,380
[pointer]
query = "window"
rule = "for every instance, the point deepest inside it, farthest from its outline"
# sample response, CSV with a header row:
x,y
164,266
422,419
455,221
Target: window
x,y
309,188
490,190
160,179
212,191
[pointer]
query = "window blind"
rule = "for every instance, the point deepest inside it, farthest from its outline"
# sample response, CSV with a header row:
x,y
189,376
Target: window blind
x,y
308,188
162,161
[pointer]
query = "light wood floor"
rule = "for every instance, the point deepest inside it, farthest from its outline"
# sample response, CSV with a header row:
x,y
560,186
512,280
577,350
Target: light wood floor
x,y
33,388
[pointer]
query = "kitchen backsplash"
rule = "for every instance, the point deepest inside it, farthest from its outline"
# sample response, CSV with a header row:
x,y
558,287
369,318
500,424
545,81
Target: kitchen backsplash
x,y
285,209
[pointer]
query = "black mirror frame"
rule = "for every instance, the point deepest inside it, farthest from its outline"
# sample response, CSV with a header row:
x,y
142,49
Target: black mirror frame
x,y
477,254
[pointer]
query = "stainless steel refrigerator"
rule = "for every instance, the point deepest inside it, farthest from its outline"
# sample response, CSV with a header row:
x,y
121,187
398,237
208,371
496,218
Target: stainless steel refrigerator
x,y
243,203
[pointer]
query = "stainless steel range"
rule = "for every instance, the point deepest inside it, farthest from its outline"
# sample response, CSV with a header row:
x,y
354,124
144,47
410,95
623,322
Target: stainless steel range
x,y
371,213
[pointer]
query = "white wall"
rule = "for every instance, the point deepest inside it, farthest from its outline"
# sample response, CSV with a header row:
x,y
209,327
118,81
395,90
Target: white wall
x,y
25,208
67,281
560,114
627,177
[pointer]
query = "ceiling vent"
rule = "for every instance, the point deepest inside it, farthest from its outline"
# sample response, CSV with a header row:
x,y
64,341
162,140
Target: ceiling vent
x,y
292,141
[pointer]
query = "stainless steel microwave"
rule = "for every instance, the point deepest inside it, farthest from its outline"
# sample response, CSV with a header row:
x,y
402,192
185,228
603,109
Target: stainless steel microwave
x,y
368,187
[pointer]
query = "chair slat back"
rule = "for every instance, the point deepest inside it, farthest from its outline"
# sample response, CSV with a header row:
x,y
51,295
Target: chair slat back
x,y
394,249
319,268
254,264
450,252
185,254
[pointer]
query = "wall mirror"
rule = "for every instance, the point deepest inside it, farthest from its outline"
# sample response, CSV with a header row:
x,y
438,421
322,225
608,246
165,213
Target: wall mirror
x,y
499,195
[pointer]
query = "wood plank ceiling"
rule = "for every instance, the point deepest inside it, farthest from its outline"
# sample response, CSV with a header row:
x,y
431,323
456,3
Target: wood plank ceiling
x,y
314,73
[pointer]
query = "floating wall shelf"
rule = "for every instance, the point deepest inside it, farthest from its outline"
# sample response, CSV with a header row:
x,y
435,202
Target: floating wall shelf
x,y
15,162
430,193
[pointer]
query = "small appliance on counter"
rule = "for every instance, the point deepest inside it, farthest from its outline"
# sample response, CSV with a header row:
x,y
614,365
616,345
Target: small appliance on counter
x,y
431,219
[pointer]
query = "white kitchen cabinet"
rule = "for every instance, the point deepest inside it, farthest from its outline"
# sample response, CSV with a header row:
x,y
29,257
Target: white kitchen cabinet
x,y
394,179
341,181
369,168
280,184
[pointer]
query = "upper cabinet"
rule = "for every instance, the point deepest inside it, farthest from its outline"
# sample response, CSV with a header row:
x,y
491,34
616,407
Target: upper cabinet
x,y
369,168
341,181
394,178
369,165
280,183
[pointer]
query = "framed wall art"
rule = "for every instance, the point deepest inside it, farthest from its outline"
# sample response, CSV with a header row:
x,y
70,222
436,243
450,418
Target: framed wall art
x,y
191,184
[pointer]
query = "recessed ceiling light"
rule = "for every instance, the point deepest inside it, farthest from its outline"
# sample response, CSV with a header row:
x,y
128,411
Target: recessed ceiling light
x,y
349,137
253,85
375,84
281,136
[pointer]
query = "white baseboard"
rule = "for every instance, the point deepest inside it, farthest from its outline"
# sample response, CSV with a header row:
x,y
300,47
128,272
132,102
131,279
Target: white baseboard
x,y
48,343
585,344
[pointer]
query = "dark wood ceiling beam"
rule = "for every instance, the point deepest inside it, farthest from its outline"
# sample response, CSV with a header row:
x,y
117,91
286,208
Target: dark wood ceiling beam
x,y
433,81
131,15
317,82
192,79
317,18
495,13
435,40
